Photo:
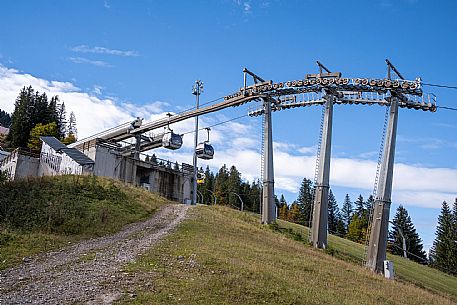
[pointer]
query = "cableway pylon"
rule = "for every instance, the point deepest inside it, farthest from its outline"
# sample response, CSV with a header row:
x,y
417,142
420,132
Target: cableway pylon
x,y
323,89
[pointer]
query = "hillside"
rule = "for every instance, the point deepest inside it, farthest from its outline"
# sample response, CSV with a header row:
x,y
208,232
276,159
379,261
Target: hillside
x,y
216,256
222,256
42,214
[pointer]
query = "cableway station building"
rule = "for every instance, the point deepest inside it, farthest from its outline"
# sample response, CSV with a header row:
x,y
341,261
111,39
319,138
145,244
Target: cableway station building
x,y
100,158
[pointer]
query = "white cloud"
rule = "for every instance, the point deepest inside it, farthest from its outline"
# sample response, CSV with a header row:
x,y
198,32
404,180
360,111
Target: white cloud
x,y
423,199
427,142
93,114
102,50
247,7
287,184
308,150
82,60
245,143
106,4
97,89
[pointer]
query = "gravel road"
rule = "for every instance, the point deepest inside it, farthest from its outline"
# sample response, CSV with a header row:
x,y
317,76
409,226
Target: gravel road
x,y
76,274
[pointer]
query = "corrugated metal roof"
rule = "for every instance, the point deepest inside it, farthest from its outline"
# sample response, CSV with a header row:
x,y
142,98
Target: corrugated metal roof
x,y
78,156
53,142
73,153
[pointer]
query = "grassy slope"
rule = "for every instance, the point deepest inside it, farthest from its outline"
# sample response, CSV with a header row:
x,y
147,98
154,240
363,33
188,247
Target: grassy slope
x,y
221,256
42,214
405,270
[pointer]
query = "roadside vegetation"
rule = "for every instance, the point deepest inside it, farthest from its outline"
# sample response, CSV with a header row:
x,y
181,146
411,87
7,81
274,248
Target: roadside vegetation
x,y
41,214
223,256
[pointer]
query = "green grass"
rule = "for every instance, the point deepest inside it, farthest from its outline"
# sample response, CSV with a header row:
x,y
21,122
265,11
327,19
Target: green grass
x,y
42,214
222,256
405,270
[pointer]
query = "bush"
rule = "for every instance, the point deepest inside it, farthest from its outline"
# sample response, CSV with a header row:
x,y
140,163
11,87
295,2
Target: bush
x,y
66,205
3,177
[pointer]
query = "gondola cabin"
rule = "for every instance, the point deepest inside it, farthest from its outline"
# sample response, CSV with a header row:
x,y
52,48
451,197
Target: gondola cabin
x,y
172,140
201,178
204,151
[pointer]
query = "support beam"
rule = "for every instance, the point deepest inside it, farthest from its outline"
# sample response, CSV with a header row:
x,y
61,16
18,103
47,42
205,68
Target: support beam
x,y
379,228
320,210
136,157
268,202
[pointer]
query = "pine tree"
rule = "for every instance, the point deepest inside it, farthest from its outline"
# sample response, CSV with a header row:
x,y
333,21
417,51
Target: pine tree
x,y
207,187
402,221
294,212
283,208
333,213
21,121
245,193
233,186
360,206
443,251
346,212
61,120
284,212
340,229
256,195
370,204
51,111
31,108
454,255
71,129
39,110
305,201
356,230
221,186
5,119
209,184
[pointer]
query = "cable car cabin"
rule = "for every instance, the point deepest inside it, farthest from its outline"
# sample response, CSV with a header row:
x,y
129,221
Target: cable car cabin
x,y
171,140
204,151
201,178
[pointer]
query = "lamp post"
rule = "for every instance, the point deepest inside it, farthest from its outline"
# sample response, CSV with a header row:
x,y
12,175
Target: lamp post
x,y
242,203
197,89
201,196
214,196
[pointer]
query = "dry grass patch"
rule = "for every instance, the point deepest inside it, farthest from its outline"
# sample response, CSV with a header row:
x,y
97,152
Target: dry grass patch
x,y
221,256
405,270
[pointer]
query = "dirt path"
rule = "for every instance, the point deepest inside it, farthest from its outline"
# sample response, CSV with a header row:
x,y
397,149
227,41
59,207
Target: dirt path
x,y
76,273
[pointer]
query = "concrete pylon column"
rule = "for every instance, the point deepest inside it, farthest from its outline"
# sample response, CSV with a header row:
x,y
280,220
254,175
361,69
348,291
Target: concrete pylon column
x,y
320,210
136,157
268,202
379,228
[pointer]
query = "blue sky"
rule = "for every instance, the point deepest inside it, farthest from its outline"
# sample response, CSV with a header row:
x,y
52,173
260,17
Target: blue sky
x,y
113,60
